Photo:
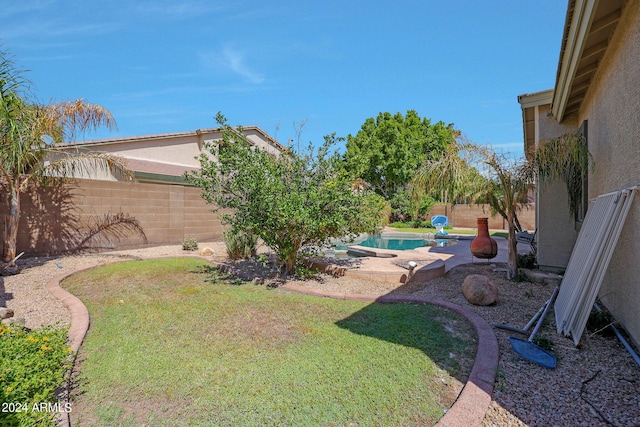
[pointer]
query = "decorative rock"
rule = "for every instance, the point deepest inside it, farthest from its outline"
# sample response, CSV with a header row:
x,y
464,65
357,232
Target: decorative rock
x,y
479,290
206,252
5,313
19,321
537,276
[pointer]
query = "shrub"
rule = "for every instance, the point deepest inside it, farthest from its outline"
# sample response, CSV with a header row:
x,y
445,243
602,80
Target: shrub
x,y
33,363
304,271
405,207
240,244
414,224
290,200
527,261
190,244
421,224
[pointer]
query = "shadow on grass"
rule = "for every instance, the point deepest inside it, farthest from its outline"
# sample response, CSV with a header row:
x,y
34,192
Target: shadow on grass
x,y
443,336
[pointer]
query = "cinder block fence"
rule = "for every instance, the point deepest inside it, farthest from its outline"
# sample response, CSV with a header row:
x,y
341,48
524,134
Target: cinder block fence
x,y
58,219
66,217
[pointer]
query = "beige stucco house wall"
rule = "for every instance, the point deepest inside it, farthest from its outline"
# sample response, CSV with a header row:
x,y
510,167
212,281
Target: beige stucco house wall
x,y
598,82
165,157
556,229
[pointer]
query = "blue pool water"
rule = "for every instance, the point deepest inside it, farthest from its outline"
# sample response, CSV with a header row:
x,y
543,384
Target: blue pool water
x,y
396,243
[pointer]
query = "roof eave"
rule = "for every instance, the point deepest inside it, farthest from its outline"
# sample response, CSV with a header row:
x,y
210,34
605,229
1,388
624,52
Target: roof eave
x,y
578,22
528,103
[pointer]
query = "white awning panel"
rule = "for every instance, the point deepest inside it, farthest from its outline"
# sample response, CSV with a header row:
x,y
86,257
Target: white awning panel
x,y
589,261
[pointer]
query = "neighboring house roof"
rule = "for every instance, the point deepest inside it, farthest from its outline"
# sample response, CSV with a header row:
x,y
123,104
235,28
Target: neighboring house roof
x,y
165,157
91,143
588,28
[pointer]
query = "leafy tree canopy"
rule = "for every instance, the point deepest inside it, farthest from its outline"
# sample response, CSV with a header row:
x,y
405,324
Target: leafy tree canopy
x,y
388,150
290,200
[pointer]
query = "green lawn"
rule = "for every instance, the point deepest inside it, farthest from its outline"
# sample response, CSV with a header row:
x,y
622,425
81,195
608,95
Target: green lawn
x,y
172,342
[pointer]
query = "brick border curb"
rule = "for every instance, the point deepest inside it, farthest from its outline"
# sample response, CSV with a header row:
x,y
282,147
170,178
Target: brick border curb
x,y
80,321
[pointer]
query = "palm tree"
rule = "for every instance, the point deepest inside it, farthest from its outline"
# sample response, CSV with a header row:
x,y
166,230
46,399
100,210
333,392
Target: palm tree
x,y
478,174
31,144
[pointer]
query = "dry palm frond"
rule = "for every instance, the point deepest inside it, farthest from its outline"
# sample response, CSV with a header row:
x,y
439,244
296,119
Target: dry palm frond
x,y
71,164
68,117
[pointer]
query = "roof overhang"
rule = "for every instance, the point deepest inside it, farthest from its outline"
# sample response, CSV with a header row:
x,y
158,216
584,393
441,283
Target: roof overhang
x,y
528,103
589,26
158,172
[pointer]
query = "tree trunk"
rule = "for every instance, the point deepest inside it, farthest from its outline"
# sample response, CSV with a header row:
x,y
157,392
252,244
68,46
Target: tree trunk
x,y
513,245
11,229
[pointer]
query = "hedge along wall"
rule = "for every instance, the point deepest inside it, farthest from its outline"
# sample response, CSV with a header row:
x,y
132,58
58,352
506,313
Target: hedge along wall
x,y
466,216
68,217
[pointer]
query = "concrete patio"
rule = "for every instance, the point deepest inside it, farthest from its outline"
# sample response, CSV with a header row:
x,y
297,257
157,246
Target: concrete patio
x,y
430,261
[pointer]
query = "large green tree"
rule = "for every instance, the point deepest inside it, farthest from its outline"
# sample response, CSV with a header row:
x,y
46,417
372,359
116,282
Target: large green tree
x,y
30,138
291,200
388,150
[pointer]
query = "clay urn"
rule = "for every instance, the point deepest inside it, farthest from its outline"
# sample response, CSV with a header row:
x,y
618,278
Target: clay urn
x,y
484,246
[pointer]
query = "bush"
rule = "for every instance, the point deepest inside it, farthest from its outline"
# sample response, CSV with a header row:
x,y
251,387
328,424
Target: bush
x,y
240,244
189,244
527,261
405,208
290,200
421,224
33,364
414,224
304,271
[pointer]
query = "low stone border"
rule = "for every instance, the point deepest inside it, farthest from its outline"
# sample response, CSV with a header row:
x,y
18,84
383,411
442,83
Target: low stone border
x,y
468,410
79,325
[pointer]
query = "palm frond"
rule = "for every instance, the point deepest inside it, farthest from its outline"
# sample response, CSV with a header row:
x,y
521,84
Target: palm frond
x,y
75,164
66,118
567,158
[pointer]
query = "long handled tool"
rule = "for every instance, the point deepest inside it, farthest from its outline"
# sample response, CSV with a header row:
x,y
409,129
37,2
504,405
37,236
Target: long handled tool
x,y
525,330
531,351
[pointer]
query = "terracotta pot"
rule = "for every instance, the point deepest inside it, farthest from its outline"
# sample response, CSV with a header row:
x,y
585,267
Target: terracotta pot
x,y
483,246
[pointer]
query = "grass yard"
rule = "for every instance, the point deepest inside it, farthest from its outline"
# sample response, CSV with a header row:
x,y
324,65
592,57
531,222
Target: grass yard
x,y
173,342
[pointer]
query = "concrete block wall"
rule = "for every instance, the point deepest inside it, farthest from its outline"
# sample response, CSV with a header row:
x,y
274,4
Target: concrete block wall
x,y
56,219
466,216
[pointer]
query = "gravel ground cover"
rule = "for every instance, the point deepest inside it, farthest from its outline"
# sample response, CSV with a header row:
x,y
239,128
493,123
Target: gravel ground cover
x,y
595,385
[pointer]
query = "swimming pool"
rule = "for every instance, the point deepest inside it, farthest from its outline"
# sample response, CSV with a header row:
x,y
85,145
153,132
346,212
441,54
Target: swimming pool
x,y
395,242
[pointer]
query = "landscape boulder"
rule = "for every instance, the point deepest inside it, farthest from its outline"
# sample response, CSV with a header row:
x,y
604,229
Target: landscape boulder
x,y
5,313
206,252
479,290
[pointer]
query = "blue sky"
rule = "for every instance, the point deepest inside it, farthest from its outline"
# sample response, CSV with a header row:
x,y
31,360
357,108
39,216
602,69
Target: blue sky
x,y
168,66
